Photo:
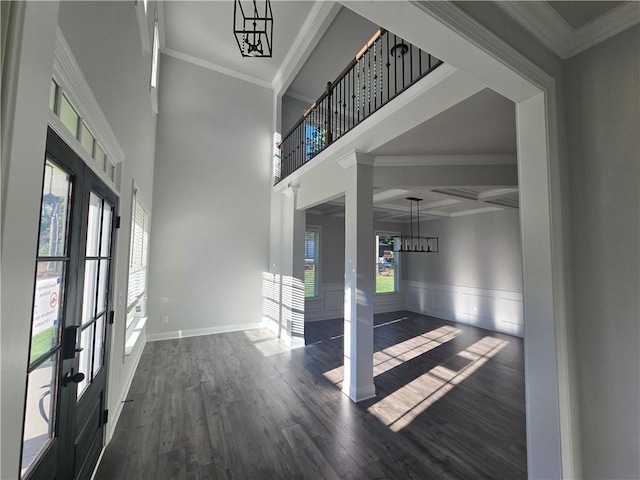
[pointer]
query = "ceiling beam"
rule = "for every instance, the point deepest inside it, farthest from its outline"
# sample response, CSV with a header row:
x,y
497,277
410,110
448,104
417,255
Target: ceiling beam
x,y
446,176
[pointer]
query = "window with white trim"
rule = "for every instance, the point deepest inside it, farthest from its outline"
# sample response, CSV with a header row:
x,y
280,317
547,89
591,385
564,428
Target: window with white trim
x,y
138,258
386,263
311,261
155,59
143,29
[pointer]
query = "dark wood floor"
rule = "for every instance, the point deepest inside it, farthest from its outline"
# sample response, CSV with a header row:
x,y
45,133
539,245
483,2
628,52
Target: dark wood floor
x,y
450,404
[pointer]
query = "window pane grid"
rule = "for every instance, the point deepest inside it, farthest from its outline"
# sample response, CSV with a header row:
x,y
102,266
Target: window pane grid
x,y
386,265
139,253
311,262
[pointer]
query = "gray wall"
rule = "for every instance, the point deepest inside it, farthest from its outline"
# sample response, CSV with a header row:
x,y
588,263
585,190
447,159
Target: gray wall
x,y
332,244
476,277
602,100
330,301
102,56
209,236
292,111
480,251
105,42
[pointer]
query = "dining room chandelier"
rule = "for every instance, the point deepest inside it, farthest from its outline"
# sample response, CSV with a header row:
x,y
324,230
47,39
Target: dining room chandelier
x,y
253,27
416,243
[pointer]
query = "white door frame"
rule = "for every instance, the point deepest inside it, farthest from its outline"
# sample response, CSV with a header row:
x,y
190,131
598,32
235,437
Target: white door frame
x,y
444,30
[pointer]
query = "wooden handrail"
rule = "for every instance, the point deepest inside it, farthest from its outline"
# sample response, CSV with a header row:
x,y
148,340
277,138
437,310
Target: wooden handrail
x,y
347,69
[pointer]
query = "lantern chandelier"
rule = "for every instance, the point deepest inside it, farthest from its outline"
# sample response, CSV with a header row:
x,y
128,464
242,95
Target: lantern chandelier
x,y
254,33
416,243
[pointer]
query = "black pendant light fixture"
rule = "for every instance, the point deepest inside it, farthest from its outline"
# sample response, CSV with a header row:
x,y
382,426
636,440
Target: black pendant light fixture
x,y
416,243
253,27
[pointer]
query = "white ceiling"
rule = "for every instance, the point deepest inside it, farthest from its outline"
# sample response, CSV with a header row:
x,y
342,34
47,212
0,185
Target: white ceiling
x,y
578,14
436,204
484,123
568,28
338,46
202,32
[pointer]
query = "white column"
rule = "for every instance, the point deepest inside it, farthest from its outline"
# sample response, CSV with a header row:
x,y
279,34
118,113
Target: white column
x,y
359,278
292,270
544,340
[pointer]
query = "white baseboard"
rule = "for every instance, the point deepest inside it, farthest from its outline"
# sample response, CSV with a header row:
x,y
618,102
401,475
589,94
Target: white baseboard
x,y
196,332
359,394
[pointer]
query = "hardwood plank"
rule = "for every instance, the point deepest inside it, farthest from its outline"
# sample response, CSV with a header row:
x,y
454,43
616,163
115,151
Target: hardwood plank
x,y
307,455
234,406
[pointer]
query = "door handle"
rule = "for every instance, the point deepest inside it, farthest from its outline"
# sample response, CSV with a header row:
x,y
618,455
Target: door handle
x,y
69,335
70,377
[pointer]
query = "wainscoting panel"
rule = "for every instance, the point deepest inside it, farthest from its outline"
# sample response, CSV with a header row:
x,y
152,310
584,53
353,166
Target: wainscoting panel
x,y
330,303
495,310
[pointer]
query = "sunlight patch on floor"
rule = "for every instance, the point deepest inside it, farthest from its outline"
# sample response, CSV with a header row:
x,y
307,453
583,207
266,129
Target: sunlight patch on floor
x,y
399,353
395,355
266,342
405,404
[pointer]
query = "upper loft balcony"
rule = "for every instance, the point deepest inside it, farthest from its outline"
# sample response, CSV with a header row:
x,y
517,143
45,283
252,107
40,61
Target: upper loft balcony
x,y
385,66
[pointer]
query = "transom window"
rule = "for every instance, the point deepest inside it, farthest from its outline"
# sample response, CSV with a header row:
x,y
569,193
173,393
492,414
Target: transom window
x,y
64,109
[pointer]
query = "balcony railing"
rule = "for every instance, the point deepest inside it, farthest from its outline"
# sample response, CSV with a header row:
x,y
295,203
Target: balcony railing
x,y
385,67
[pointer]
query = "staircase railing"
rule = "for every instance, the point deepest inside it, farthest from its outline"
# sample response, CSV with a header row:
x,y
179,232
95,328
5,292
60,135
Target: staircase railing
x,y
385,67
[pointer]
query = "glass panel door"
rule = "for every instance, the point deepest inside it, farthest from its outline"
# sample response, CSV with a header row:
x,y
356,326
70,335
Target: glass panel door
x,y
52,263
97,272
65,392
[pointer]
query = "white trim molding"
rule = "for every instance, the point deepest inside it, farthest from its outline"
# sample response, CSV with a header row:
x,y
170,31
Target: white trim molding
x,y
216,68
552,30
434,160
143,29
67,71
196,332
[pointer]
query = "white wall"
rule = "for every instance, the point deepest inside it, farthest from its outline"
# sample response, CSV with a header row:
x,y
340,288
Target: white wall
x,y
330,301
209,235
105,42
24,109
603,116
292,111
476,277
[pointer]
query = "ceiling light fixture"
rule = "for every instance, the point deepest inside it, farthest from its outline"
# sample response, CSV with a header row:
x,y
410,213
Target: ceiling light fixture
x,y
416,243
254,34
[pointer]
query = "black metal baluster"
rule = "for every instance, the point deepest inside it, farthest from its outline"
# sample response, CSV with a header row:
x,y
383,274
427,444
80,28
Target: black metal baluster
x,y
388,66
368,65
380,73
353,99
329,126
411,63
403,70
395,67
375,77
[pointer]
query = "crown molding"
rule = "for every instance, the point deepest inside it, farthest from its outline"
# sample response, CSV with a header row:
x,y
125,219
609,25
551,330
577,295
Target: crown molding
x,y
434,160
318,21
551,29
298,96
216,68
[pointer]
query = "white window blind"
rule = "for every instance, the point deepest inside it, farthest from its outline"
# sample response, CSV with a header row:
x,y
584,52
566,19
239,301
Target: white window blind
x,y
140,226
311,261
